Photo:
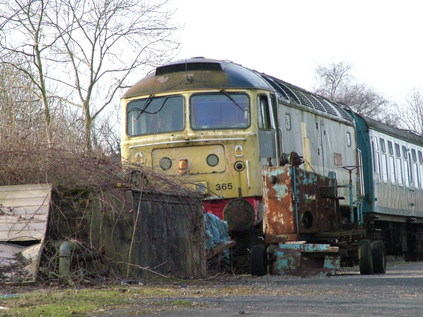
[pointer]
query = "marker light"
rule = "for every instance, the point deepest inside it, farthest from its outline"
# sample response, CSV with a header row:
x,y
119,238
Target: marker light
x,y
183,166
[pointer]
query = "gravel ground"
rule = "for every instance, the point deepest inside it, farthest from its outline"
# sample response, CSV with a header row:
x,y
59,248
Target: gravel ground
x,y
399,292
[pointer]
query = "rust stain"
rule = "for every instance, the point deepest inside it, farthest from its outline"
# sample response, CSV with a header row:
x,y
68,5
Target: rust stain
x,y
289,197
306,259
279,221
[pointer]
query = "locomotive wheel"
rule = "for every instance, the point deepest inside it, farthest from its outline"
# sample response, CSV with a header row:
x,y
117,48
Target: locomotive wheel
x,y
378,257
258,265
365,259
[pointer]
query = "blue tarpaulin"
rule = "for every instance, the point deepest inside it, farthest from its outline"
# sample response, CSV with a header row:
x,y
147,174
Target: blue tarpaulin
x,y
216,230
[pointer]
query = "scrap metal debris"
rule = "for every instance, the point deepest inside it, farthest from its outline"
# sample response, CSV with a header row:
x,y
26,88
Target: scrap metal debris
x,y
24,211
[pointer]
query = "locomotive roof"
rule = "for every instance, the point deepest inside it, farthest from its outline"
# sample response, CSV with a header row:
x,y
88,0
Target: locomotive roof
x,y
202,73
401,134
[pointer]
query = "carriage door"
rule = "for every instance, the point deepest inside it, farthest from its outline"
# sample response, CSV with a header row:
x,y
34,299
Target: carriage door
x,y
268,138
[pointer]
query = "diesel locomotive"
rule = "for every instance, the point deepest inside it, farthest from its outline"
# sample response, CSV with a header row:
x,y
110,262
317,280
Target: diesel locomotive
x,y
223,127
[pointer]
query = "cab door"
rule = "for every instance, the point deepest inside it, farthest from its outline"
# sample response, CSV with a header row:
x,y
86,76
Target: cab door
x,y
267,131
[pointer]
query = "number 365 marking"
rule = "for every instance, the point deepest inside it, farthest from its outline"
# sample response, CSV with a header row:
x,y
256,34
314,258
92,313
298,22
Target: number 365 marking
x,y
224,186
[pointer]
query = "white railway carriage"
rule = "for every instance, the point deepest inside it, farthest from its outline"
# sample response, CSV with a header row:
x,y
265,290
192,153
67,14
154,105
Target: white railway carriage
x,y
393,180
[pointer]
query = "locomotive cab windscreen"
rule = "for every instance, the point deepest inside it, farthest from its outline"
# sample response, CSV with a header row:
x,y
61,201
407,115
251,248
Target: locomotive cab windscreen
x,y
155,115
219,111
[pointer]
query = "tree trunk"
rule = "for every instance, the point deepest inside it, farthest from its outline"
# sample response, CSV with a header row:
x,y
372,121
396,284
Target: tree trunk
x,y
88,125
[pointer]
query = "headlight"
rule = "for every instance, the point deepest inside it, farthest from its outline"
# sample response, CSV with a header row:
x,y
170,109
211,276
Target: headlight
x,y
212,160
201,188
165,163
239,166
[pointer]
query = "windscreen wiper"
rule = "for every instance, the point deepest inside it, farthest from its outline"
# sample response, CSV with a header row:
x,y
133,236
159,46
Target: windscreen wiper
x,y
147,103
160,108
223,91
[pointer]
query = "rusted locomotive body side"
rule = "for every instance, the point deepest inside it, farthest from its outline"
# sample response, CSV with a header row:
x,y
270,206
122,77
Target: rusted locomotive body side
x,y
295,207
304,229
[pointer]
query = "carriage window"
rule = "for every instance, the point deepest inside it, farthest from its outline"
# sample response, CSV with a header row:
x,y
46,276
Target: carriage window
x,y
384,164
374,157
397,150
421,168
404,152
155,115
407,175
348,138
411,169
220,111
417,175
400,172
390,148
378,159
392,169
413,152
415,171
264,114
398,165
382,145
384,168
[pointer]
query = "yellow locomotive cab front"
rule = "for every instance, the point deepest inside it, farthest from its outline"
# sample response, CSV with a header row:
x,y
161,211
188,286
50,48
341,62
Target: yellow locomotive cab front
x,y
206,138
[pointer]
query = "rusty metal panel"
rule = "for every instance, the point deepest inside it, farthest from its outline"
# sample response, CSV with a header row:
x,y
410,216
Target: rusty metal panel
x,y
296,203
315,213
278,205
306,259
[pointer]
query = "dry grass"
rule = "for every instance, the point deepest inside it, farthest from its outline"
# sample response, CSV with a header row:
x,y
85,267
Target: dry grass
x,y
78,179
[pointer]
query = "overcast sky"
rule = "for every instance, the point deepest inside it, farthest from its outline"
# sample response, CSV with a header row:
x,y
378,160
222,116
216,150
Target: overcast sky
x,y
383,40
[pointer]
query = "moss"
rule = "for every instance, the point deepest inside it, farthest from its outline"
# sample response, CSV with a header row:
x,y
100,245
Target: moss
x,y
76,302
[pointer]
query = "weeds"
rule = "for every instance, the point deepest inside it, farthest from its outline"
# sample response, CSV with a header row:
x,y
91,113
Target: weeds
x,y
90,189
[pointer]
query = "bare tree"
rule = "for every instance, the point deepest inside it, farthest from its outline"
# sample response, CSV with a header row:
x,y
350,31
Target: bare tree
x,y
23,46
94,36
86,49
365,101
336,82
412,116
21,113
332,78
106,134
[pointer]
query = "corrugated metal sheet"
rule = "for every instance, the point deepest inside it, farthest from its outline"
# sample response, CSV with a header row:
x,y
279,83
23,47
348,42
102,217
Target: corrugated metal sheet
x,y
24,213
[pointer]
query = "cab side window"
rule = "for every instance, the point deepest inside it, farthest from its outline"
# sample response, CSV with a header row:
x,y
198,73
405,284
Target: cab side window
x,y
263,113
